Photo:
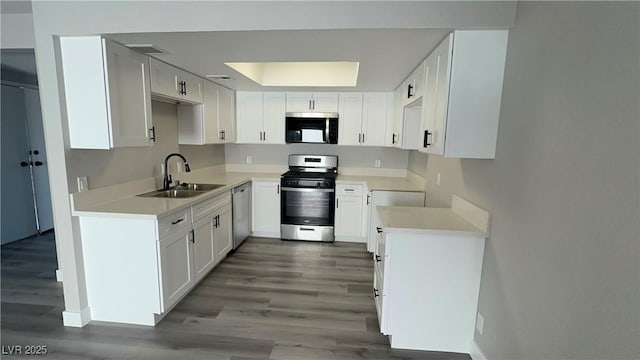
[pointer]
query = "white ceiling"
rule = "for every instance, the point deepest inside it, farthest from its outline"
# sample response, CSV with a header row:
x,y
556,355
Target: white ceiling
x,y
386,56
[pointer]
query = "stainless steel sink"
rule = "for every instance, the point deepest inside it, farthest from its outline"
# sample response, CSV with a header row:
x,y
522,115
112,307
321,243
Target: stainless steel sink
x,y
198,187
182,191
172,193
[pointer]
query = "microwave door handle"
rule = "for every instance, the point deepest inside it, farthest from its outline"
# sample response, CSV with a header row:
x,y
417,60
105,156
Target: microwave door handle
x,y
326,131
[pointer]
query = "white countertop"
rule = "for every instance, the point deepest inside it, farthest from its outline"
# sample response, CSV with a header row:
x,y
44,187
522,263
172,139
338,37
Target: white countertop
x,y
425,220
152,208
381,183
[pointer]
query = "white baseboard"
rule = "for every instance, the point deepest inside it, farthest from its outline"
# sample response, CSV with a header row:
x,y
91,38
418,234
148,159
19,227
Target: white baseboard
x,y
76,318
475,352
265,234
351,239
59,275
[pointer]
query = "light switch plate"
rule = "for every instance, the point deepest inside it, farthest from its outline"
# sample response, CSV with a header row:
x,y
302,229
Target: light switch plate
x,y
377,163
249,159
83,184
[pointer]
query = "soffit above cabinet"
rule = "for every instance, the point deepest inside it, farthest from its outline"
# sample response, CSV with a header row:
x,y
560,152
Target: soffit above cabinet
x,y
386,56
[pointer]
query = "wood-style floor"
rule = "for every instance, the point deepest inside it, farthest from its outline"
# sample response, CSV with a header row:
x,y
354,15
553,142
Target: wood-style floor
x,y
271,299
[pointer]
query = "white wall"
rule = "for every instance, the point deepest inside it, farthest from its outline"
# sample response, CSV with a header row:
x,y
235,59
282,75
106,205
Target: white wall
x,y
117,166
561,271
16,31
348,156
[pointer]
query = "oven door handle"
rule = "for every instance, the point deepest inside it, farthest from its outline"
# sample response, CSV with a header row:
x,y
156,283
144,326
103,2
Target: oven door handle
x,y
308,190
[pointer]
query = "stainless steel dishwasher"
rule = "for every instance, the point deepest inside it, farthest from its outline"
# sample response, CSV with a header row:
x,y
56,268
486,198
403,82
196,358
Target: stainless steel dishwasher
x,y
241,213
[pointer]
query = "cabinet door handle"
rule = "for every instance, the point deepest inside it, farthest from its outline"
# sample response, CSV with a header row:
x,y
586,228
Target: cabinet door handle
x,y
278,189
393,138
368,199
363,138
378,258
153,134
360,138
177,221
193,236
314,104
349,190
426,142
409,91
378,229
307,229
375,292
264,137
184,84
337,202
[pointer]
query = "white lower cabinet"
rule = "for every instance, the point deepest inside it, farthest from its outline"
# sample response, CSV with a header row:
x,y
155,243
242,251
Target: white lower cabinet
x,y
266,208
350,213
137,269
426,288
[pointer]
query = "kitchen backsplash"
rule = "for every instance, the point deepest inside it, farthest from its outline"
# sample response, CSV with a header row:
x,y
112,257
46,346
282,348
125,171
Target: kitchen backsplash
x,y
349,156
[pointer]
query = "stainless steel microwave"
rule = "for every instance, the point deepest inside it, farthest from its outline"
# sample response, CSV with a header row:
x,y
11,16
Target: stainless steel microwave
x,y
315,128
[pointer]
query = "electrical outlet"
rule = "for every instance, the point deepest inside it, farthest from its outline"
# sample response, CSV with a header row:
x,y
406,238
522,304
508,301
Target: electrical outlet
x,y
479,323
249,159
377,164
83,184
438,179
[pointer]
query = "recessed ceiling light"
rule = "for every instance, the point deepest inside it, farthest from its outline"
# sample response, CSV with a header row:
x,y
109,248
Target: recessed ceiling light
x,y
313,73
147,49
219,77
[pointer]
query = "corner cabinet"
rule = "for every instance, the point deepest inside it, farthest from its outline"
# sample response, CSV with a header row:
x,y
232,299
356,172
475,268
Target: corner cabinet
x,y
107,92
137,267
260,117
211,122
463,93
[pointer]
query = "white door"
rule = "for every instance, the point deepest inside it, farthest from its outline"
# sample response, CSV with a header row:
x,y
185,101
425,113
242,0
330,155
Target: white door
x,y
374,118
129,96
223,236
249,114
176,266
203,246
226,114
39,157
298,101
274,117
266,208
325,102
210,114
350,123
164,78
349,212
18,211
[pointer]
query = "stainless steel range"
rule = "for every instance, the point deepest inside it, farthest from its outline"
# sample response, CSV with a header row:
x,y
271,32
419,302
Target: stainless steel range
x,y
307,201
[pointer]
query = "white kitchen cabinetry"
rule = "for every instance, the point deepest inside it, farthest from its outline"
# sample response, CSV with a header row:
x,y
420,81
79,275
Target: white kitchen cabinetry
x,y
212,238
412,88
463,94
138,268
427,277
351,212
171,82
107,94
364,118
404,123
260,117
266,208
210,122
389,198
312,102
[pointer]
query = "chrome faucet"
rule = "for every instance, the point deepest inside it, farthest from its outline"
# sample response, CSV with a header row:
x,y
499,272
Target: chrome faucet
x,y
167,178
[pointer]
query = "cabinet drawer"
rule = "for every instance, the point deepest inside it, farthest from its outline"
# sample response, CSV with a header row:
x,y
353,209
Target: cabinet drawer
x,y
173,222
207,207
349,189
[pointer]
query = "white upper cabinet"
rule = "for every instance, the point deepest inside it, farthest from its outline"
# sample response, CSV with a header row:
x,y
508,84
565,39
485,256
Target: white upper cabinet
x,y
312,102
260,117
363,118
210,122
463,94
107,93
171,82
412,89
